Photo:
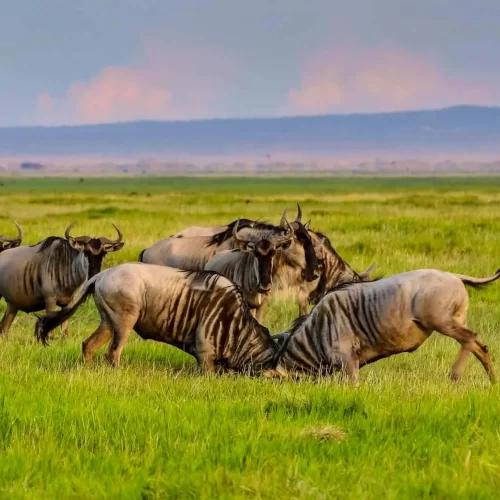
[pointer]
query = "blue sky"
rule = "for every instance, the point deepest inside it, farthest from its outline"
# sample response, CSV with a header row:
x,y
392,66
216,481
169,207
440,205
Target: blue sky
x,y
68,62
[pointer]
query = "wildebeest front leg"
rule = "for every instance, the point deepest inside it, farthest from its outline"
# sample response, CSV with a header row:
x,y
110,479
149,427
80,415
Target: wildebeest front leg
x,y
204,352
303,298
458,367
8,318
261,310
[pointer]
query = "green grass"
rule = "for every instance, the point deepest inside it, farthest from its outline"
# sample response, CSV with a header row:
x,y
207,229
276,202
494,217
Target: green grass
x,y
156,428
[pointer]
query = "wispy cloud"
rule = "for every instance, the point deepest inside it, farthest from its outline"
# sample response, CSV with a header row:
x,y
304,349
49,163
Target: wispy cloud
x,y
346,79
166,83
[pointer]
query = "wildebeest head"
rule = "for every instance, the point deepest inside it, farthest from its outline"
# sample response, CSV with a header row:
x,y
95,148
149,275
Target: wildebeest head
x,y
264,250
95,249
305,258
6,242
332,268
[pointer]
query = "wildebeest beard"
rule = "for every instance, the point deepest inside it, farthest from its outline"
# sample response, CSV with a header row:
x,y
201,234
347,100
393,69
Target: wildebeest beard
x,y
311,271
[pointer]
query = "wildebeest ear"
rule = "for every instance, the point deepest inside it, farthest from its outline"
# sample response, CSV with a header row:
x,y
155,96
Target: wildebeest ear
x,y
307,225
77,245
114,247
366,275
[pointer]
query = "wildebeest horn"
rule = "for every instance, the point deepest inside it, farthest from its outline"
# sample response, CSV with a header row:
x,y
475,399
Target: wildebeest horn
x,y
19,237
299,214
366,274
68,229
107,241
283,219
235,233
288,236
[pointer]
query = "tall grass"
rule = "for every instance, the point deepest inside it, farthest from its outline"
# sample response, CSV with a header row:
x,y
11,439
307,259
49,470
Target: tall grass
x,y
156,428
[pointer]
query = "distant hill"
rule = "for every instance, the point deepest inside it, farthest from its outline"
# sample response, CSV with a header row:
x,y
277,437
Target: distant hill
x,y
458,130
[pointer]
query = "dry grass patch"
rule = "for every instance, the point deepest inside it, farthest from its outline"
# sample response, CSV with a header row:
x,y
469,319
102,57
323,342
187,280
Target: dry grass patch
x,y
325,433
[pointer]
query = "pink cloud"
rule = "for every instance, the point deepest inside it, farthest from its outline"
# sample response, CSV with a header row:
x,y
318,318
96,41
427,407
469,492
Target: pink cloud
x,y
180,83
381,79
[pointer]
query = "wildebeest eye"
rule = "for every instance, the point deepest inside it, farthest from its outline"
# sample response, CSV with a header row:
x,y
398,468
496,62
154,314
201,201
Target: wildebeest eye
x,y
286,245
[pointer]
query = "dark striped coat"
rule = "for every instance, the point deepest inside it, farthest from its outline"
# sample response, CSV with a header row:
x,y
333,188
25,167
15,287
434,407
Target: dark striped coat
x,y
359,323
202,313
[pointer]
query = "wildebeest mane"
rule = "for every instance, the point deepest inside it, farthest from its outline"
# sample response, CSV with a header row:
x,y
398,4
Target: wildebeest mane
x,y
219,238
297,323
348,284
64,247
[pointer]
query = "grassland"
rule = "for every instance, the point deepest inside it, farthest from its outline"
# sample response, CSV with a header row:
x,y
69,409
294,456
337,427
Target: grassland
x,y
155,428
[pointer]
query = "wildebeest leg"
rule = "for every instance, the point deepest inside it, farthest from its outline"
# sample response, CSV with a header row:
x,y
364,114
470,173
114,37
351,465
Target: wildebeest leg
x,y
204,352
64,328
303,302
469,341
8,318
352,369
102,335
458,367
261,310
51,306
121,333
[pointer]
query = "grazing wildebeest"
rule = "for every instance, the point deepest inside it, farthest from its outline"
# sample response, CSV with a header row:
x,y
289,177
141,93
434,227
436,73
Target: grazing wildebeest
x,y
333,269
46,275
359,323
251,266
6,242
202,313
192,253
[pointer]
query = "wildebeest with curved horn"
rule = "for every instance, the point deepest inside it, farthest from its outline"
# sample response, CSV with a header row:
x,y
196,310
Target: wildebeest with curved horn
x,y
251,266
193,252
6,242
202,313
359,323
46,275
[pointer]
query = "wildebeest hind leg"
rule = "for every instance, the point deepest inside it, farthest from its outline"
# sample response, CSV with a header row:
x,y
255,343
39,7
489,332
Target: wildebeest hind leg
x,y
64,328
121,333
102,335
8,318
469,342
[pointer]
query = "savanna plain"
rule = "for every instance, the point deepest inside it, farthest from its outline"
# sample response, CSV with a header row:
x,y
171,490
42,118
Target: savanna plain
x,y
156,428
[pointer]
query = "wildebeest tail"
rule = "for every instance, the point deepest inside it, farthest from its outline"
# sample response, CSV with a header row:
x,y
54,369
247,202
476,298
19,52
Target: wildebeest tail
x,y
51,320
477,282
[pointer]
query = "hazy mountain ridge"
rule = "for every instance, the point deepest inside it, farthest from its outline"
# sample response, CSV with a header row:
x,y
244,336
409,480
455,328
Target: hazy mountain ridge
x,y
459,130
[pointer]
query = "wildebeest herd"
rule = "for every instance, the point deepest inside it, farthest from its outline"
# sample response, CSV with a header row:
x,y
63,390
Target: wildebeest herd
x,y
205,290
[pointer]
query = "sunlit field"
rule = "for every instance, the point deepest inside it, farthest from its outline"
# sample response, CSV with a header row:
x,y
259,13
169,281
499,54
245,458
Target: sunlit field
x,y
156,428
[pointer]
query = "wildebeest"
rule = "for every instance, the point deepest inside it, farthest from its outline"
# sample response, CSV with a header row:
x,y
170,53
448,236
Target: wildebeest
x,y
202,313
251,266
46,275
296,269
359,323
193,252
333,269
6,242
